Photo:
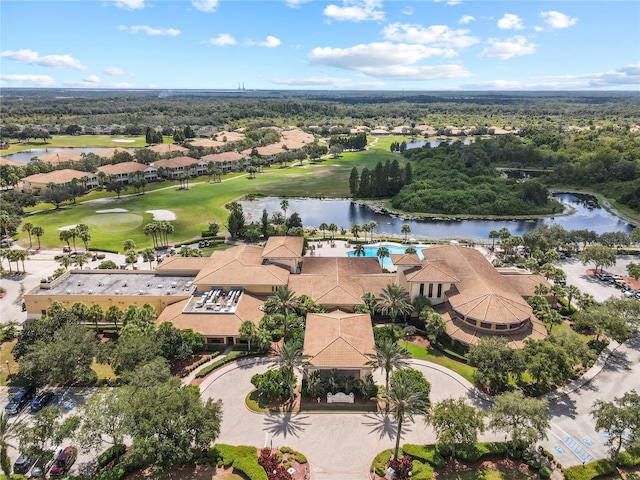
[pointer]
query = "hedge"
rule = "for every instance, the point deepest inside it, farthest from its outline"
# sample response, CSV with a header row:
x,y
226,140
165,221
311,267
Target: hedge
x,y
199,363
590,470
545,472
626,460
421,471
425,453
227,454
116,473
235,354
111,453
380,462
250,467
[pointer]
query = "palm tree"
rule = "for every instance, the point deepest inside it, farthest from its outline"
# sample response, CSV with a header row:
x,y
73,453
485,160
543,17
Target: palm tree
x,y
324,227
493,234
333,228
372,227
5,221
65,261
148,255
22,255
382,253
371,302
247,331
405,399
129,245
571,291
82,231
65,236
95,314
355,231
28,227
38,232
359,250
366,228
410,250
113,315
290,358
283,301
284,205
395,301
389,356
8,432
131,257
406,229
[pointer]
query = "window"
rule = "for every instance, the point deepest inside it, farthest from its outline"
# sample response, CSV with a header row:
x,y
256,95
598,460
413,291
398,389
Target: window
x,y
422,289
439,290
501,326
430,290
485,325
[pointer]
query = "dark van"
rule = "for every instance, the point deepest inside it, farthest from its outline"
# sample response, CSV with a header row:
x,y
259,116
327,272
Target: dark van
x,y
20,400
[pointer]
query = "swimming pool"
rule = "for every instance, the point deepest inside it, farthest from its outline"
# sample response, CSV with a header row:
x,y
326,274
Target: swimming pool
x,y
386,262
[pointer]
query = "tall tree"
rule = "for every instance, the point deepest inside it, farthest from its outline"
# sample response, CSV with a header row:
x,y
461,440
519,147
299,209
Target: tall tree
x,y
38,232
389,356
409,396
495,362
290,358
394,301
456,424
599,255
382,253
8,433
28,227
526,419
620,419
406,230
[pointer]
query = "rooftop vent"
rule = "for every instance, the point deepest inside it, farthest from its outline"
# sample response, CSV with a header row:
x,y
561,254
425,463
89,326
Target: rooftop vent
x,y
117,292
99,284
90,292
68,292
124,284
148,284
140,292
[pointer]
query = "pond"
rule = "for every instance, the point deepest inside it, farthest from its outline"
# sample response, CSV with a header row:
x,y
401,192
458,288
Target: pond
x,y
345,213
25,156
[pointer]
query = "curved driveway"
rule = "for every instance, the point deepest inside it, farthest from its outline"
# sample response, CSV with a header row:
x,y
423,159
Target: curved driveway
x,y
339,446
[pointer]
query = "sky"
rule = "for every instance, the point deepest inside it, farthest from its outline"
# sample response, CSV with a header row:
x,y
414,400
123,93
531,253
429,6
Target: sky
x,y
321,45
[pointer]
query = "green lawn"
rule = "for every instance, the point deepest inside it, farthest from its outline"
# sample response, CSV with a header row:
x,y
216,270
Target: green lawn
x,y
487,474
80,141
202,203
434,356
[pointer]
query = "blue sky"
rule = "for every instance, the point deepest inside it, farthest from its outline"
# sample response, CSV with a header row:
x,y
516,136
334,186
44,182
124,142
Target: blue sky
x,y
332,45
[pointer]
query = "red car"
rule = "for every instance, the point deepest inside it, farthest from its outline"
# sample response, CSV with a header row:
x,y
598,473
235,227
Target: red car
x,y
64,461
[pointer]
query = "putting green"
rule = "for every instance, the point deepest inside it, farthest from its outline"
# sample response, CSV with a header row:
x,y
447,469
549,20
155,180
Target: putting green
x,y
113,222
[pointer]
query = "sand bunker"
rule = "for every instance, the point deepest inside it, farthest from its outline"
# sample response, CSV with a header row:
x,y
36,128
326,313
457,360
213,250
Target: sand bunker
x,y
162,214
113,210
67,227
122,140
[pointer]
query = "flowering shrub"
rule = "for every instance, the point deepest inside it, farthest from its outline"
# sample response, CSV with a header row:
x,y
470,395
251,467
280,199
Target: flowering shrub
x,y
402,467
271,464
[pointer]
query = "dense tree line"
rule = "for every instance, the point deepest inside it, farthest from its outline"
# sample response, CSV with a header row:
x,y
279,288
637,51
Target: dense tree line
x,y
350,142
385,180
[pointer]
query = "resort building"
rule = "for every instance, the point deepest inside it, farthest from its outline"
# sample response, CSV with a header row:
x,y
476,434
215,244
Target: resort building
x,y
125,172
40,181
215,295
178,166
228,161
60,157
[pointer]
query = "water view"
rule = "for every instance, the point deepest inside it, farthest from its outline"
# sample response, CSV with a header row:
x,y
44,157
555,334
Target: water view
x,y
26,155
344,213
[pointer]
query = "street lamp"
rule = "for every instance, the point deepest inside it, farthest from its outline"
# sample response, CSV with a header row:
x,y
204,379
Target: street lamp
x,y
8,367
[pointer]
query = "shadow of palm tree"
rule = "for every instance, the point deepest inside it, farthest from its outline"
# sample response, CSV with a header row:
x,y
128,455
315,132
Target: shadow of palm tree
x,y
289,423
383,425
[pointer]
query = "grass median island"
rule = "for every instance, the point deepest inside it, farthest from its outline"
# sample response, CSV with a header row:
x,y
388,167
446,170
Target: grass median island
x,y
431,355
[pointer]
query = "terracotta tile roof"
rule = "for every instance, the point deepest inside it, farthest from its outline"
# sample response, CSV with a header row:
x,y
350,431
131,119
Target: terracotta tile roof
x,y
338,340
167,147
339,281
432,271
223,157
482,294
206,142
240,266
467,334
57,176
270,149
7,161
214,324
124,167
192,265
175,162
404,259
525,284
283,247
110,152
60,157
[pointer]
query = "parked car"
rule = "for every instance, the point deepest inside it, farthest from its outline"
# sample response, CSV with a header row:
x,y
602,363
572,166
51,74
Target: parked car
x,y
64,461
44,462
42,400
204,243
20,400
22,464
631,293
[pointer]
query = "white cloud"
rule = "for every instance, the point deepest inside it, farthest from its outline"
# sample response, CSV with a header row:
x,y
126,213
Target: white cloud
x,y
150,30
92,79
129,4
439,35
510,22
311,81
512,47
449,2
222,39
91,83
407,10
465,19
295,3
556,20
114,71
270,42
207,6
355,11
54,61
30,80
388,60
372,55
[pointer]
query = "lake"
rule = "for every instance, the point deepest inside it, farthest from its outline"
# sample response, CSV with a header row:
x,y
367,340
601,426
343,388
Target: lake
x,y
26,155
345,213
